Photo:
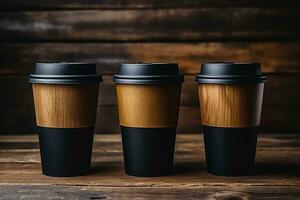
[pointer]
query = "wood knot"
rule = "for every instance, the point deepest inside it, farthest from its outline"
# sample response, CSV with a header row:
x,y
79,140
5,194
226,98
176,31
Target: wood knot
x,y
226,195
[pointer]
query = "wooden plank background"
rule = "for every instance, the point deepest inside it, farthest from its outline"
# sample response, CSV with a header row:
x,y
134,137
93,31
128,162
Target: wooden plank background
x,y
275,177
188,32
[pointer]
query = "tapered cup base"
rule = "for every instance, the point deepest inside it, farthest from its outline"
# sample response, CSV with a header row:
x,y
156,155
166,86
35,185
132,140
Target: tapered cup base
x,y
230,151
65,151
148,152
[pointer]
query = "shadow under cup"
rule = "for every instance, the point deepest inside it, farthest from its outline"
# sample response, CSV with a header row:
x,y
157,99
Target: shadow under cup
x,y
65,99
230,97
148,104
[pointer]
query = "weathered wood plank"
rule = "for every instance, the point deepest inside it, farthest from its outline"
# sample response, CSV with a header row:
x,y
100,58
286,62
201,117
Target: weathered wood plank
x,y
274,177
276,57
278,86
112,141
268,171
274,119
189,170
138,4
47,192
114,154
281,106
159,25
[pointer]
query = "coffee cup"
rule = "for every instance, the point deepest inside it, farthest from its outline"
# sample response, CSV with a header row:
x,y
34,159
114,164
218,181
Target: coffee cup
x,y
230,96
65,99
148,97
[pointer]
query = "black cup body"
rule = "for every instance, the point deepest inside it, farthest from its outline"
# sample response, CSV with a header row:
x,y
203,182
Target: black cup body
x,y
148,149
230,146
148,152
230,151
65,151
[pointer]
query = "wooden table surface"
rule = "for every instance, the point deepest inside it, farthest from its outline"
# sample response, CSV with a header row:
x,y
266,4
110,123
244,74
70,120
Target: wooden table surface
x,y
277,173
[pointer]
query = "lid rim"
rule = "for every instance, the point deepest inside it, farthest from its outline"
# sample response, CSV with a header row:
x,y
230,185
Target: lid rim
x,y
148,73
230,81
149,79
146,76
63,81
220,80
65,73
123,81
50,76
230,72
231,77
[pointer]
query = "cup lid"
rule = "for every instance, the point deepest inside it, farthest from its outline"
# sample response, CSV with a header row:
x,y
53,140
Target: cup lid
x,y
148,73
65,73
230,73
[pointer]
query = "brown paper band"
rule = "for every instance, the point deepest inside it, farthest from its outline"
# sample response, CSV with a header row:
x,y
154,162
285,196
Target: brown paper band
x,y
233,106
65,106
148,106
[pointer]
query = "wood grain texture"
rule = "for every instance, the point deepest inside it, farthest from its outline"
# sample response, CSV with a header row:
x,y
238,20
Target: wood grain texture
x,y
65,106
159,25
46,192
18,58
278,85
275,176
274,119
138,4
231,106
188,32
108,149
281,105
148,106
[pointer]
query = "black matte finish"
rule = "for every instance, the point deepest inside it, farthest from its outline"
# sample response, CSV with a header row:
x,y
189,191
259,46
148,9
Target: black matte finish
x,y
65,73
230,151
65,151
148,151
148,73
230,73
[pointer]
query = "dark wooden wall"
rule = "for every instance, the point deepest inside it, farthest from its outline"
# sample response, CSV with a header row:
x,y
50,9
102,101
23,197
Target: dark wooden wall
x,y
188,32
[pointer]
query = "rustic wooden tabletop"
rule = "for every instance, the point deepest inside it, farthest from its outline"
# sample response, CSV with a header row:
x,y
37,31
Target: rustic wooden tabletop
x,y
277,173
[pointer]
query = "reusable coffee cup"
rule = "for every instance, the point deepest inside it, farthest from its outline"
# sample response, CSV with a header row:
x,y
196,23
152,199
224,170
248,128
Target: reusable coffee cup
x,y
65,99
231,97
148,102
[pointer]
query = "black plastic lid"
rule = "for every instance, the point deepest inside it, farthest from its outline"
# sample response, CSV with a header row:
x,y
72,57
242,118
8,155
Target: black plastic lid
x,y
230,73
148,73
65,73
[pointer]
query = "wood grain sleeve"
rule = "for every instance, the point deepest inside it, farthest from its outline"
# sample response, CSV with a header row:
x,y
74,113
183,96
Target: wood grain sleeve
x,y
65,106
232,106
148,106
